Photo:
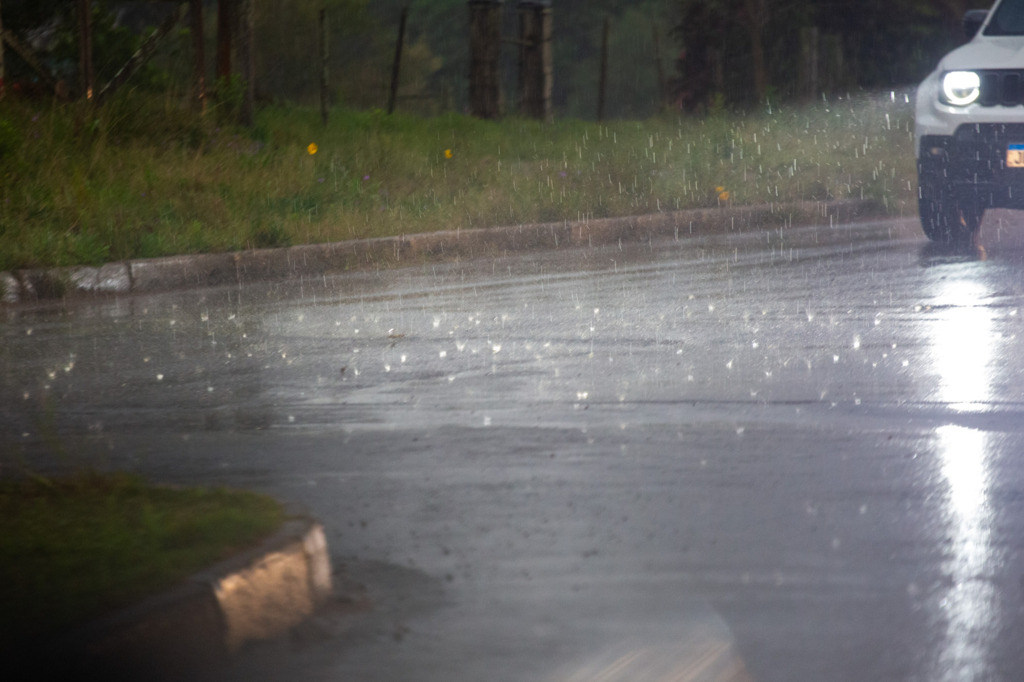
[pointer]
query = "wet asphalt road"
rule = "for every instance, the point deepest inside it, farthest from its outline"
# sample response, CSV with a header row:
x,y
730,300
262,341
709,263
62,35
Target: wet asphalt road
x,y
772,455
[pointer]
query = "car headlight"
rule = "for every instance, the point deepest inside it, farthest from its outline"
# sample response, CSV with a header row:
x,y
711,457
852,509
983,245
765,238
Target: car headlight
x,y
961,88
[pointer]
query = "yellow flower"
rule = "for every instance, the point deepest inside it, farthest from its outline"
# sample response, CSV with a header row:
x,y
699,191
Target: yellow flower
x,y
311,148
447,153
724,196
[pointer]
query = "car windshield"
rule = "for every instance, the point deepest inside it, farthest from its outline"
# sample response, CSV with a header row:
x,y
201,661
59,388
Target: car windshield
x,y
1008,19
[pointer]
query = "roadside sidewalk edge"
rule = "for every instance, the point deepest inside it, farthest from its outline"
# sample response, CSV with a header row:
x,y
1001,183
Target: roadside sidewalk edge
x,y
256,595
174,273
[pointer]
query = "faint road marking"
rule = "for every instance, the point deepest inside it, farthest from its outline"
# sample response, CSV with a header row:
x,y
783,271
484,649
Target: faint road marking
x,y
700,659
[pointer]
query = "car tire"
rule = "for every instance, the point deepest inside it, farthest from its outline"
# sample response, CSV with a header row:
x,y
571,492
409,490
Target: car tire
x,y
944,218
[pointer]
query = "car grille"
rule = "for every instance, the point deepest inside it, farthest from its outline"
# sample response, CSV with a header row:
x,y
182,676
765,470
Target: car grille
x,y
990,136
1002,87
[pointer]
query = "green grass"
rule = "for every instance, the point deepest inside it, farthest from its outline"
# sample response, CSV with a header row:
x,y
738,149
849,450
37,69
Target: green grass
x,y
143,177
71,549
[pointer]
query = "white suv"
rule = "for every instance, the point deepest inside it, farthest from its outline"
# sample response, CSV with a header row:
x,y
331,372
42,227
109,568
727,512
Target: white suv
x,y
969,126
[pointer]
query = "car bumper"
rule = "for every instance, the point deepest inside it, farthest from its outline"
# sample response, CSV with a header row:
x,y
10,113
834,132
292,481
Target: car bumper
x,y
973,162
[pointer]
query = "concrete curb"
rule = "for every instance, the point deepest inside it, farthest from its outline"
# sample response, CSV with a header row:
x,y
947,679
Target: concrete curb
x,y
242,267
257,595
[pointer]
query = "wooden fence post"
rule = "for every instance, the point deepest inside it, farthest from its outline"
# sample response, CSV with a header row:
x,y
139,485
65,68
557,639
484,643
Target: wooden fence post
x,y
224,25
396,67
85,70
485,48
659,67
602,81
324,54
718,70
535,72
199,54
809,51
246,59
1,55
832,63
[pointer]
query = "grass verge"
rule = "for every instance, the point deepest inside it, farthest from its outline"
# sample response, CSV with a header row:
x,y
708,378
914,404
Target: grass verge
x,y
142,176
72,549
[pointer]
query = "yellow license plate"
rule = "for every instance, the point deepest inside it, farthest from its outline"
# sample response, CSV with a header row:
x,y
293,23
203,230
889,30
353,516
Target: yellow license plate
x,y
1015,156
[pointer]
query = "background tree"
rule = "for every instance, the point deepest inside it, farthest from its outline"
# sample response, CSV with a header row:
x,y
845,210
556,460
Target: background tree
x,y
727,52
442,27
868,44
892,42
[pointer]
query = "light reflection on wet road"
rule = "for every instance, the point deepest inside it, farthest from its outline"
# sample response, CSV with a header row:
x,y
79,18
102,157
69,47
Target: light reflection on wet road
x,y
789,454
966,345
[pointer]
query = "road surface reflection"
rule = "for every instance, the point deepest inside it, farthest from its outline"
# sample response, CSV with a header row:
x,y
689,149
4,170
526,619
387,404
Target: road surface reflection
x,y
964,346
